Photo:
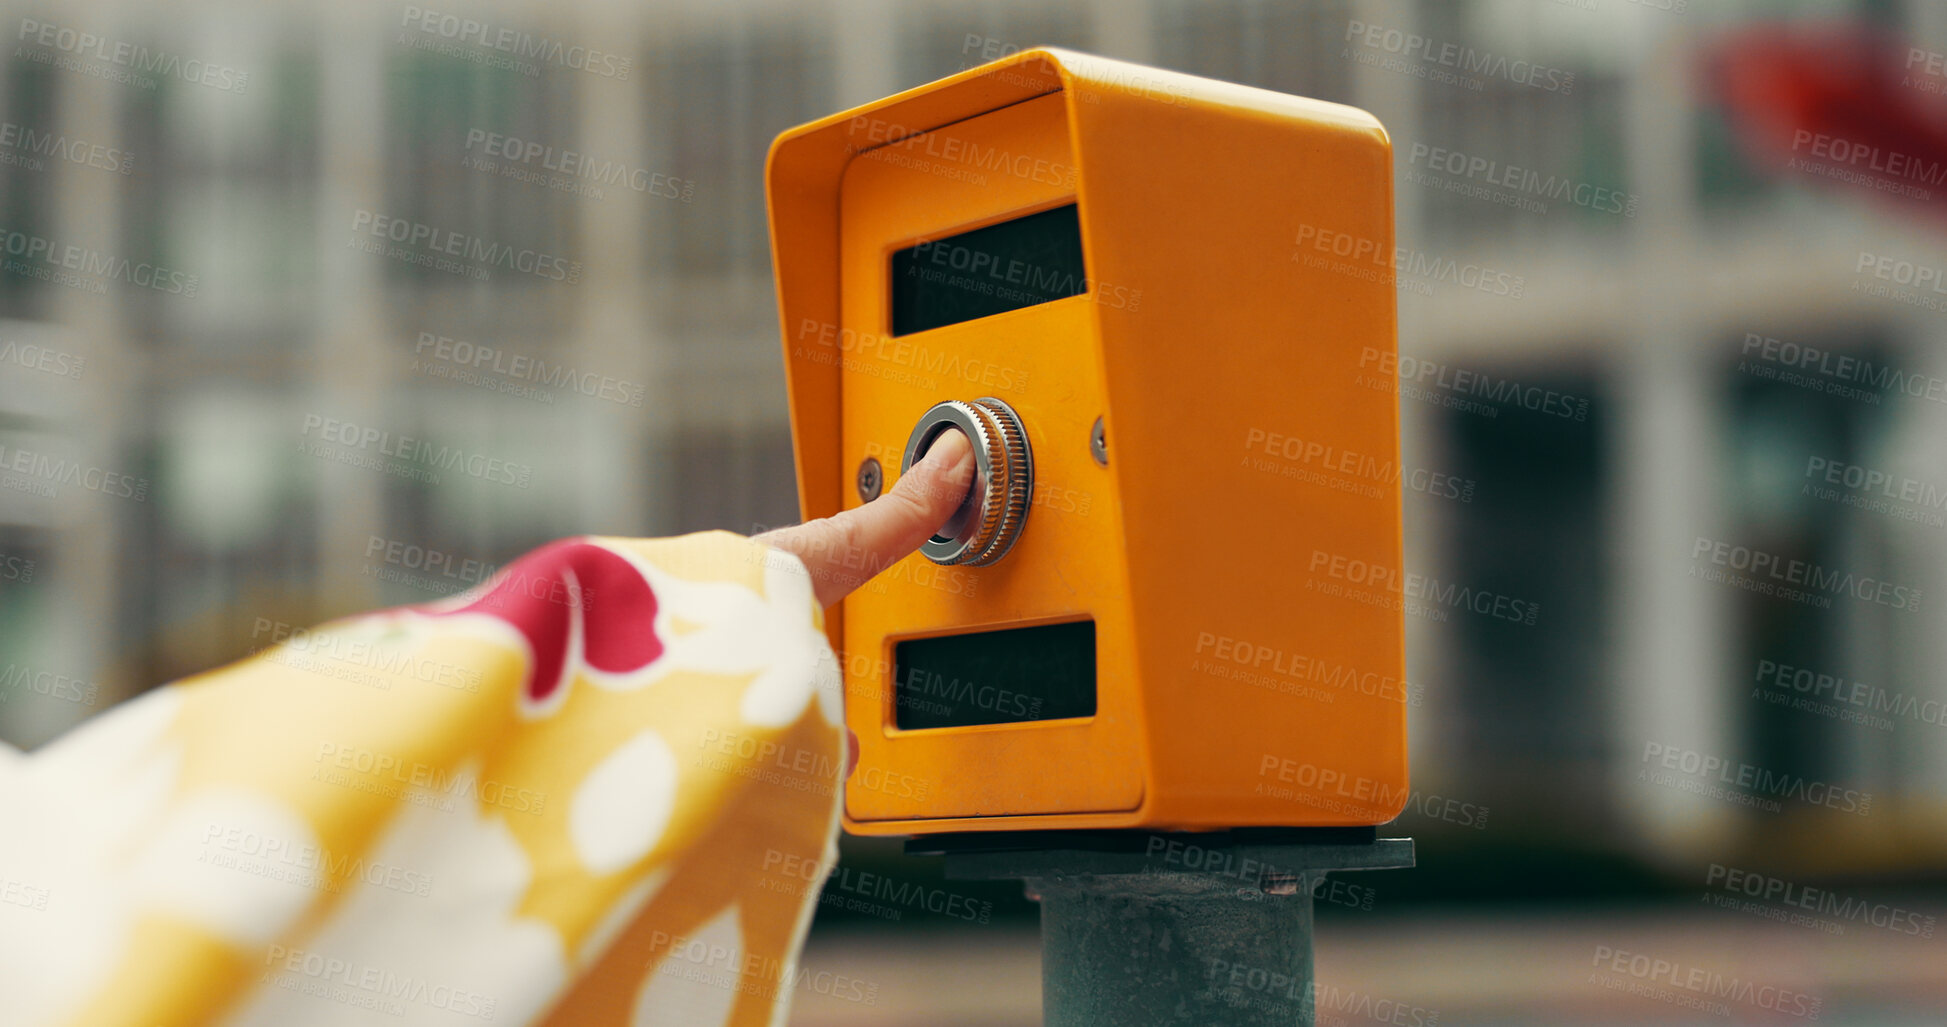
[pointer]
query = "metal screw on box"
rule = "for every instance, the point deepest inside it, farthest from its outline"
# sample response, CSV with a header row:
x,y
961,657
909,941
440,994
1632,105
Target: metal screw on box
x,y
870,479
1213,930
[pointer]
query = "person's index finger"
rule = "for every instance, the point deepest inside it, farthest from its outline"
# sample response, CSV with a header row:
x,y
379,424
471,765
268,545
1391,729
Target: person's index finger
x,y
881,532
845,550
919,503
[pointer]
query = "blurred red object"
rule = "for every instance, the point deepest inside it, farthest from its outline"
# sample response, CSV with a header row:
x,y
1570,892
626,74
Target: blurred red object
x,y
1848,106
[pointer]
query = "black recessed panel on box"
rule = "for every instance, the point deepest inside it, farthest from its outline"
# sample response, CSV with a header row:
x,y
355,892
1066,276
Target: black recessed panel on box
x,y
1010,676
988,271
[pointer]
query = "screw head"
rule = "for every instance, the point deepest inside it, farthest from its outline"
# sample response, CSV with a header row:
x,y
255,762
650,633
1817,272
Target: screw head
x,y
1098,443
871,479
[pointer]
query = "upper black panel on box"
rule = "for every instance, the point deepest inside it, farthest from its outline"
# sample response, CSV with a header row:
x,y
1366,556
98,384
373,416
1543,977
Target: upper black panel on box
x,y
988,271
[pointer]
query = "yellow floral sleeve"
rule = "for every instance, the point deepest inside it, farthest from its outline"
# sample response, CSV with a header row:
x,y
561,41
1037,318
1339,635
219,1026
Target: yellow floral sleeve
x,y
601,789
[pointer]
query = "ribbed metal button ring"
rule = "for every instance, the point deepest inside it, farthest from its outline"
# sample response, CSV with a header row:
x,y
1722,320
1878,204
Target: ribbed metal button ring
x,y
996,508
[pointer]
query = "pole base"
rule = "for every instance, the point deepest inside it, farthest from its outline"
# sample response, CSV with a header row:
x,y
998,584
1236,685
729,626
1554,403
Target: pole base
x,y
1210,929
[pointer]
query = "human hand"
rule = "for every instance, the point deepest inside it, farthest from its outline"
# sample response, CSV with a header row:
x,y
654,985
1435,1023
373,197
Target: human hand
x,y
845,550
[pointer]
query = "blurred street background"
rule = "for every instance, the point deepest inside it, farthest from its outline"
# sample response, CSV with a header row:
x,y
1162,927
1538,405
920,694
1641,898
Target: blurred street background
x,y
1741,356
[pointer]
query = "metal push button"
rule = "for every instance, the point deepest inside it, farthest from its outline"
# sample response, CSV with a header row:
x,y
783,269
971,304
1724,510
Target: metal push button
x,y
996,507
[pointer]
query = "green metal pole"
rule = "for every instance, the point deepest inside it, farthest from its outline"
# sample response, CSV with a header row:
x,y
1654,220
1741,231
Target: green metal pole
x,y
1150,929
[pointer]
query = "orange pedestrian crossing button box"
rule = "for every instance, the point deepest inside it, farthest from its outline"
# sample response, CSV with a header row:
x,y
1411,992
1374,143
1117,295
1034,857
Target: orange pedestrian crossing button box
x,y
1110,278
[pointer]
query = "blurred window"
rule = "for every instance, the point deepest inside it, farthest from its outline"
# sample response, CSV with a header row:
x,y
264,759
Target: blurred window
x,y
1292,48
1785,439
1537,531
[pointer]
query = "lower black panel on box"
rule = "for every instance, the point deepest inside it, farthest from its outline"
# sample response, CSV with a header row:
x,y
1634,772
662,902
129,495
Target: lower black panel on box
x,y
1010,676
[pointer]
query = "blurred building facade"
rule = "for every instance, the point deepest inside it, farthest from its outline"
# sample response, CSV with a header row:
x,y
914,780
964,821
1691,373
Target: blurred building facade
x,y
295,413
